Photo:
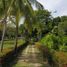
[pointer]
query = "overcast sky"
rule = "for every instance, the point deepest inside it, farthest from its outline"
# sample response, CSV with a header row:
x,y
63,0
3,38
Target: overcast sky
x,y
57,7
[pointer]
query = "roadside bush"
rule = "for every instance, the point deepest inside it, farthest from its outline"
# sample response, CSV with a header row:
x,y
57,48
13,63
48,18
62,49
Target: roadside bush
x,y
61,58
47,54
63,48
52,41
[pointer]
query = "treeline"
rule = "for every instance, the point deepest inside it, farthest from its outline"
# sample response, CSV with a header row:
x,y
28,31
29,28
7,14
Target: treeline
x,y
56,39
44,24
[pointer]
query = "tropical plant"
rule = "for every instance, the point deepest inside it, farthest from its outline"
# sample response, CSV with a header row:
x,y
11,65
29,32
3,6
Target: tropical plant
x,y
16,9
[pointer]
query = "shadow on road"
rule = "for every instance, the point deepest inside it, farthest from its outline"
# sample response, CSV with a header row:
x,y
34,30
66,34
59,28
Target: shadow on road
x,y
10,59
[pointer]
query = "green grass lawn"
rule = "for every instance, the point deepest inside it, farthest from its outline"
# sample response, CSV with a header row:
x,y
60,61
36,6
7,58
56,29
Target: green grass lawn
x,y
9,45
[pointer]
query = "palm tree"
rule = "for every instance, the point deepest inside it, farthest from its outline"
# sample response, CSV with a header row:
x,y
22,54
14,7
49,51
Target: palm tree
x,y
2,10
19,8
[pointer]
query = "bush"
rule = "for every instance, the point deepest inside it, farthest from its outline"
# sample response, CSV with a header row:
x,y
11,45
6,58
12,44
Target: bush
x,y
61,58
63,48
47,54
52,41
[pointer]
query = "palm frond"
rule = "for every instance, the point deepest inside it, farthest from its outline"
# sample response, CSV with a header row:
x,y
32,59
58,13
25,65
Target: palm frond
x,y
37,4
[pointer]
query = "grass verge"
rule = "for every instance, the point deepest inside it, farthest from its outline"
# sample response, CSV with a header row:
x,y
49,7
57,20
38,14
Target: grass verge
x,y
9,45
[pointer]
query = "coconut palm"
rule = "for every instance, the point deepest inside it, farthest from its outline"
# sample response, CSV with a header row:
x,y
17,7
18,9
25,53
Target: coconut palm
x,y
17,9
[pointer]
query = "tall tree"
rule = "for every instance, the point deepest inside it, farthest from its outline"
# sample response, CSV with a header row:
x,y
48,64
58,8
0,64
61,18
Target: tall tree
x,y
19,8
43,24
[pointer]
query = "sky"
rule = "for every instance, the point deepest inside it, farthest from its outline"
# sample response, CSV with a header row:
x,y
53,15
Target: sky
x,y
56,7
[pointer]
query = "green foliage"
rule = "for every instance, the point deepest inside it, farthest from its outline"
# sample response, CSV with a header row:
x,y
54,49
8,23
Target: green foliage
x,y
47,53
62,28
9,45
1,28
43,22
10,32
65,40
55,42
63,18
47,40
56,20
43,18
63,48
52,41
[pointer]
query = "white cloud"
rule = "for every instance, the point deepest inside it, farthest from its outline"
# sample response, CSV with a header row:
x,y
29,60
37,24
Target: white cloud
x,y
59,5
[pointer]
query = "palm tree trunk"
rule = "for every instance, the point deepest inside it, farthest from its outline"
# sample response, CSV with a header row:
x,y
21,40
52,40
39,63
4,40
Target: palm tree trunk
x,y
17,20
3,35
16,36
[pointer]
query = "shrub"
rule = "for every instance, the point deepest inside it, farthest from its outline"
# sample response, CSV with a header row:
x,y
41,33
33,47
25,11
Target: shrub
x,y
52,41
47,54
63,48
61,58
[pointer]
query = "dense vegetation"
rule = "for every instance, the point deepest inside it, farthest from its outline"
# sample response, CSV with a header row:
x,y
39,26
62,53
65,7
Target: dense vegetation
x,y
39,25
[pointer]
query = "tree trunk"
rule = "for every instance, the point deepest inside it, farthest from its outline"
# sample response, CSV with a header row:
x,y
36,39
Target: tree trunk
x,y
17,20
16,36
3,35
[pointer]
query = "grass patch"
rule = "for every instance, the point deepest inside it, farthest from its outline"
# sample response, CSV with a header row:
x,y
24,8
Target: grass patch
x,y
9,45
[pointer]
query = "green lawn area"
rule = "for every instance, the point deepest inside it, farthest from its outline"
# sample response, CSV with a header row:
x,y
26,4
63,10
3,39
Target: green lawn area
x,y
9,45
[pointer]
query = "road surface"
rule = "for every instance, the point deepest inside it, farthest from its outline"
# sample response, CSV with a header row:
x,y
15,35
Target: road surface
x,y
31,57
